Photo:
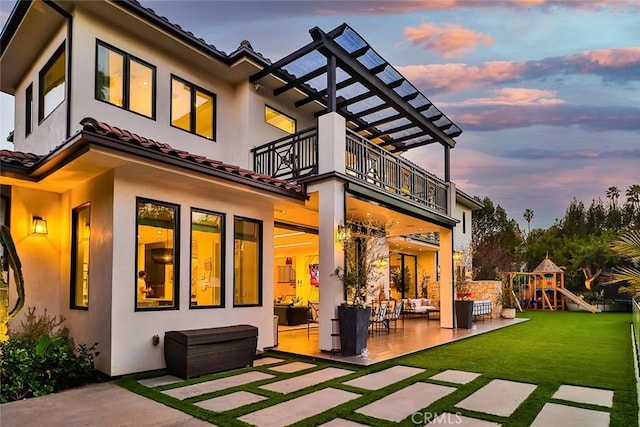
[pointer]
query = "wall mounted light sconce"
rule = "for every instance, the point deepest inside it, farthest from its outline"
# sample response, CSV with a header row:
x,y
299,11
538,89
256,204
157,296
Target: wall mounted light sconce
x,y
457,257
39,226
343,234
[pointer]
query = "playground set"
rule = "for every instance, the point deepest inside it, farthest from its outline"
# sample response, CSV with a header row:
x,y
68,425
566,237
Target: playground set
x,y
543,288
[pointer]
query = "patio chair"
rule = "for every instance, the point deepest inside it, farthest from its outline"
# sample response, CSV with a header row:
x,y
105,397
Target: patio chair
x,y
394,314
313,315
379,319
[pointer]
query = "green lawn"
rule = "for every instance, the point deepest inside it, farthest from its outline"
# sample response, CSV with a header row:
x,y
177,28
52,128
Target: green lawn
x,y
551,349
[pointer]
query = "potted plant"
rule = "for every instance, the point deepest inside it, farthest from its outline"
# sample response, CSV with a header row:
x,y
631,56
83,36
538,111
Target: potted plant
x,y
363,255
463,304
508,310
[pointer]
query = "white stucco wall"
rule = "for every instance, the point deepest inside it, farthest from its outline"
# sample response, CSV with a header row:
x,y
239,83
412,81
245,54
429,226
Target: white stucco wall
x,y
132,331
50,132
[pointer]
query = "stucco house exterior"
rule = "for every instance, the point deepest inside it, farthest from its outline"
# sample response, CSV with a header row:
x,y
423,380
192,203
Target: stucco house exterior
x,y
223,177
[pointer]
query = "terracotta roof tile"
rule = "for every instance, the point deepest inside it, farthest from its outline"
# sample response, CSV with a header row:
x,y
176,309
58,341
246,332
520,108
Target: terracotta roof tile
x,y
92,125
18,158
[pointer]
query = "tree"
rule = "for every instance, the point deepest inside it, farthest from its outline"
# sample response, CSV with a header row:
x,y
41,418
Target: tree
x,y
497,241
633,195
528,216
612,194
628,246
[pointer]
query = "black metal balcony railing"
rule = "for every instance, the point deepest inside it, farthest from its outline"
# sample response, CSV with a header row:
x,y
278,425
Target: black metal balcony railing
x,y
373,164
296,156
290,158
432,237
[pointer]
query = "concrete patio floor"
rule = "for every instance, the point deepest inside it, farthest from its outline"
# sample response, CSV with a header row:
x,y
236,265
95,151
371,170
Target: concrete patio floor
x,y
410,336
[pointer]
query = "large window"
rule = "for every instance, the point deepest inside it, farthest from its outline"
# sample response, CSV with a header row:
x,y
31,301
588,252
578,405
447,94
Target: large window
x,y
192,109
52,83
125,81
207,260
247,262
28,110
279,120
80,236
157,255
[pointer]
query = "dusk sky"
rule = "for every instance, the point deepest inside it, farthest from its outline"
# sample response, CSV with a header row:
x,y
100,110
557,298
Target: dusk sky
x,y
546,92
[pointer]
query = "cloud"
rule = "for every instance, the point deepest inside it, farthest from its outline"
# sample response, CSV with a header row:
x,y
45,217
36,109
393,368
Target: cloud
x,y
592,118
545,154
406,7
448,40
616,65
511,96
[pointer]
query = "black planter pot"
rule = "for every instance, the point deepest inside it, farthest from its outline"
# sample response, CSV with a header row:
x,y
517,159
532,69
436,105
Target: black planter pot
x,y
464,314
354,329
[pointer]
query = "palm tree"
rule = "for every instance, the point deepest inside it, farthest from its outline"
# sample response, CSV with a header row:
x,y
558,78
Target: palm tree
x,y
612,194
628,246
528,216
633,195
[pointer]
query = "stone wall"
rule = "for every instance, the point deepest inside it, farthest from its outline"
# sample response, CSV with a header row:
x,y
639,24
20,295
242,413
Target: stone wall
x,y
488,289
433,291
480,290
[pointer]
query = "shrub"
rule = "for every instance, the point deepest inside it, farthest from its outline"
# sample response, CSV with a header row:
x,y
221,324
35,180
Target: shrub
x,y
35,325
35,365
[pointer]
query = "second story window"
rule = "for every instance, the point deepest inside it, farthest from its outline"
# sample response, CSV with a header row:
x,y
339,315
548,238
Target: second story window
x,y
125,81
192,108
52,84
279,120
28,110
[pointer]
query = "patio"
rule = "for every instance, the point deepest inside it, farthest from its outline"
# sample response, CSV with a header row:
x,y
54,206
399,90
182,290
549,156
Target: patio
x,y
418,333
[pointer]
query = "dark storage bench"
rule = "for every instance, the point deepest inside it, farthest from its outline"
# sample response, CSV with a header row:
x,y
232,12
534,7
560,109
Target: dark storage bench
x,y
205,351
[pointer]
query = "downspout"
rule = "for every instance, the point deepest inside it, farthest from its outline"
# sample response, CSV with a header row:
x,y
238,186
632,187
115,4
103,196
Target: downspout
x,y
69,19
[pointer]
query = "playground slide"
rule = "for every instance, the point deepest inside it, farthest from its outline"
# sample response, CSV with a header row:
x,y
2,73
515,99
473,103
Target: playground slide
x,y
581,303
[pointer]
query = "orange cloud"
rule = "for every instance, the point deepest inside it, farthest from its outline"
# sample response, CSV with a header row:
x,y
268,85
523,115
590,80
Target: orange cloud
x,y
609,57
401,7
512,96
618,64
449,40
457,77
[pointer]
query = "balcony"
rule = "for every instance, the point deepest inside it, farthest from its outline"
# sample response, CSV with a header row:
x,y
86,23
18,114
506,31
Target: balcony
x,y
296,156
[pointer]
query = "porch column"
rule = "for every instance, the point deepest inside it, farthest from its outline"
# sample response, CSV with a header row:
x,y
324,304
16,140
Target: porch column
x,y
332,129
331,294
446,279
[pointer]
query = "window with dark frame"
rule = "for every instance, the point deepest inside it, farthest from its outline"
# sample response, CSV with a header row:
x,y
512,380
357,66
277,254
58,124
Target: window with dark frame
x,y
125,81
464,222
207,259
279,120
157,255
52,83
80,239
28,110
192,108
247,262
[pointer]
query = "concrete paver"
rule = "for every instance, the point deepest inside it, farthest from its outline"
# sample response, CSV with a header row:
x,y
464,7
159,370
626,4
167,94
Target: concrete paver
x,y
456,377
339,422
553,414
294,410
594,396
293,367
158,381
448,419
266,361
306,380
405,402
230,401
381,379
215,385
103,404
499,397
